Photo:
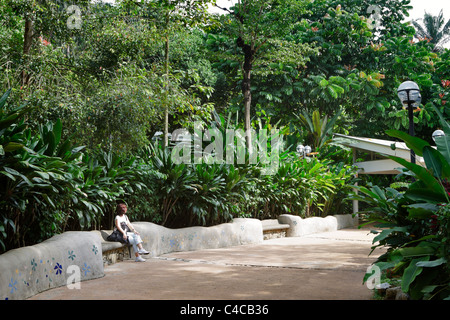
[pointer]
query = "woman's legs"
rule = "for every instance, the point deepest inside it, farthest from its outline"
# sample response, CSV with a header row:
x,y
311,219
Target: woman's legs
x,y
136,241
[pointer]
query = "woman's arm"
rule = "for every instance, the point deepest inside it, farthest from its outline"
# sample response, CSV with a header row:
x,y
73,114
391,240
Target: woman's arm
x,y
131,226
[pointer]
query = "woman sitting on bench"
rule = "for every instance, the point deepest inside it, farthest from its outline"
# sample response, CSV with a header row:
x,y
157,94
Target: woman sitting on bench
x,y
123,224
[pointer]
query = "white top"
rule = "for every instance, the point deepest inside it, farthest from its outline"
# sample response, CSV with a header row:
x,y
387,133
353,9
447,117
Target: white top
x,y
123,221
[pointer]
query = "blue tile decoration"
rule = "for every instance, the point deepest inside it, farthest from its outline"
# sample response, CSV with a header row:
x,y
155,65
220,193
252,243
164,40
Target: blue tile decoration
x,y
48,267
45,265
33,265
72,256
86,269
12,285
58,268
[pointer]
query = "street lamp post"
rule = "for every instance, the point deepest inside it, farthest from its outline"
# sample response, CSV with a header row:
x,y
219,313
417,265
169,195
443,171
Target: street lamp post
x,y
409,94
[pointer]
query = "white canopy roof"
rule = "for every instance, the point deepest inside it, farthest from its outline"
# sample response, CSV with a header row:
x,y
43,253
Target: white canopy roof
x,y
384,148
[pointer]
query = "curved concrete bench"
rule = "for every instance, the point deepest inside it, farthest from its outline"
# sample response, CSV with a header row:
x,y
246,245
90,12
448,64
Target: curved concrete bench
x,y
78,256
65,258
300,227
272,228
55,262
160,240
112,251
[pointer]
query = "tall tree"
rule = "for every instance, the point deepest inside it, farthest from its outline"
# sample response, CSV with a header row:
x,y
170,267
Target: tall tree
x,y
433,29
257,26
170,16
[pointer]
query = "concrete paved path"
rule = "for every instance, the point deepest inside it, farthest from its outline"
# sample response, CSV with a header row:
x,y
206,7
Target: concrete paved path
x,y
324,266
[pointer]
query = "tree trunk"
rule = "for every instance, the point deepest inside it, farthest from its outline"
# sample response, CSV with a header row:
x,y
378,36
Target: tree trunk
x,y
247,104
166,70
27,41
246,87
166,106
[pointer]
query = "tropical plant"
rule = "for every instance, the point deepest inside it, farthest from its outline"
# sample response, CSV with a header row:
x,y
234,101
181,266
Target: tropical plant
x,y
301,186
433,29
319,129
343,177
416,221
172,183
33,177
208,198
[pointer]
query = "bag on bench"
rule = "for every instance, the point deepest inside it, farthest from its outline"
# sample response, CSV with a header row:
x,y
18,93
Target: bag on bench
x,y
117,236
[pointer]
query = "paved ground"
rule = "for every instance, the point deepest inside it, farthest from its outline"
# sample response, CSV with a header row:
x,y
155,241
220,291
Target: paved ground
x,y
324,266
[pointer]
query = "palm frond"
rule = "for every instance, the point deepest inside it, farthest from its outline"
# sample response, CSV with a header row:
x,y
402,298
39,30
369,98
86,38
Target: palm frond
x,y
433,28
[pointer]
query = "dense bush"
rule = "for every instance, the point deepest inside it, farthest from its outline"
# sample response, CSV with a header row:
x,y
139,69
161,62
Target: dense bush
x,y
208,194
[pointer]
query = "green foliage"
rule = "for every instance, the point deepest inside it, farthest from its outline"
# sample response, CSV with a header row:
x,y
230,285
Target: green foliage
x,y
253,37
106,80
112,83
305,187
109,85
49,185
208,194
319,129
349,64
434,30
416,221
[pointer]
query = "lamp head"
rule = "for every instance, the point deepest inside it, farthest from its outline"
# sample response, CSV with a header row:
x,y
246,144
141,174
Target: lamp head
x,y
437,133
409,93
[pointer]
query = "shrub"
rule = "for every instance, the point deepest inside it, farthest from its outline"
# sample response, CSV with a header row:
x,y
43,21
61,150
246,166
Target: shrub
x,y
416,221
207,194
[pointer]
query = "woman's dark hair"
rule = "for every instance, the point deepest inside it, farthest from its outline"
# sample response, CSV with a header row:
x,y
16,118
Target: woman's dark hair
x,y
119,207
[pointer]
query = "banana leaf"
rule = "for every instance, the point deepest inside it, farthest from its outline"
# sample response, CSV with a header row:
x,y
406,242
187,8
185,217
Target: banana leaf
x,y
422,210
437,162
414,143
421,173
411,272
425,195
443,142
